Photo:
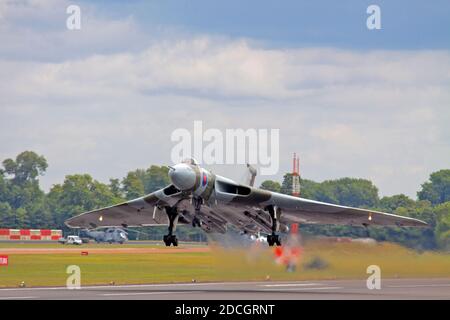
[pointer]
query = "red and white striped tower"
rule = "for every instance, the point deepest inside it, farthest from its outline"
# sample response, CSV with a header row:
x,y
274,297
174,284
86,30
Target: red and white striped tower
x,y
296,176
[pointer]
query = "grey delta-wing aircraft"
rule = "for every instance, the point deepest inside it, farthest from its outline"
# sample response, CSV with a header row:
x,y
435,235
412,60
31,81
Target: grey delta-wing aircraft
x,y
202,199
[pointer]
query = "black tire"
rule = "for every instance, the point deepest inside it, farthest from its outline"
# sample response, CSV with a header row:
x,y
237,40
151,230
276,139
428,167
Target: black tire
x,y
166,241
276,240
175,242
270,240
196,222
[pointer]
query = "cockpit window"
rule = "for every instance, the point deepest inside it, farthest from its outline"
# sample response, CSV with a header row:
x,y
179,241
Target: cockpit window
x,y
190,161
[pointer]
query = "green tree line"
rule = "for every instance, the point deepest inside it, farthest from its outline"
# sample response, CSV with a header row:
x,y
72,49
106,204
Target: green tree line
x,y
23,204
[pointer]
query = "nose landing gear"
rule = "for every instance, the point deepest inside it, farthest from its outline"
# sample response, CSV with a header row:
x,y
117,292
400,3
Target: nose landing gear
x,y
171,239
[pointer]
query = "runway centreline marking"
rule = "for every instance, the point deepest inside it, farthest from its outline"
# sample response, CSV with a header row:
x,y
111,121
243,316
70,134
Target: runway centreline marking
x,y
290,285
420,285
295,289
144,293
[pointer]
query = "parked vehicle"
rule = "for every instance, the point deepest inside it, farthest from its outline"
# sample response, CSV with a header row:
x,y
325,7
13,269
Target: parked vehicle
x,y
71,240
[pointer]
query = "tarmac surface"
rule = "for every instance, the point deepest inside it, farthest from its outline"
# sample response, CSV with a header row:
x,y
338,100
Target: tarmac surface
x,y
269,290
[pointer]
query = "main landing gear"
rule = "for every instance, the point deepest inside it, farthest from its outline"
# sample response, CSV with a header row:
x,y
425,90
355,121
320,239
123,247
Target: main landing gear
x,y
170,238
273,239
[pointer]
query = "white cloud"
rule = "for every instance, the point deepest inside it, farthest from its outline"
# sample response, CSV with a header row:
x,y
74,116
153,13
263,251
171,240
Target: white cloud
x,y
36,30
205,67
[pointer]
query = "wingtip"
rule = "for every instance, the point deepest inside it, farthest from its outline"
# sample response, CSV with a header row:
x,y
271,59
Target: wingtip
x,y
423,224
420,223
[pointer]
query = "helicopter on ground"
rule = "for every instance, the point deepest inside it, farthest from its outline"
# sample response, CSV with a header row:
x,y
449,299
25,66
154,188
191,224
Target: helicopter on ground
x,y
108,235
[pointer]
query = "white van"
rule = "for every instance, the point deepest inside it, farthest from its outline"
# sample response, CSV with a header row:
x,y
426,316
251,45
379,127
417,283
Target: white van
x,y
74,240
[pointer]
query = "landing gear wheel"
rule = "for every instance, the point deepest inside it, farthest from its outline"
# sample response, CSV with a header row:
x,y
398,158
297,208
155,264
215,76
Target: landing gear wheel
x,y
196,222
170,239
270,241
277,240
273,239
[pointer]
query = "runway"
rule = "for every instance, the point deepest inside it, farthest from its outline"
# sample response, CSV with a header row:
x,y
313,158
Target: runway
x,y
269,290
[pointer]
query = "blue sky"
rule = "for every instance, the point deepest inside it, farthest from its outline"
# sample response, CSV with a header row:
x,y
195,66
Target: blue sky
x,y
105,99
405,24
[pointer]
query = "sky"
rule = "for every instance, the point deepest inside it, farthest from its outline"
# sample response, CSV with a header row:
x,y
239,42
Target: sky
x,y
352,102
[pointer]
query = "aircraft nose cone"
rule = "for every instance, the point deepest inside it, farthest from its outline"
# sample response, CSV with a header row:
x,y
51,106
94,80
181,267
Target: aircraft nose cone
x,y
182,176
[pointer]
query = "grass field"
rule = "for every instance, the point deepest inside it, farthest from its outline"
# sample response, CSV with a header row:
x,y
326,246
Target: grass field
x,y
340,261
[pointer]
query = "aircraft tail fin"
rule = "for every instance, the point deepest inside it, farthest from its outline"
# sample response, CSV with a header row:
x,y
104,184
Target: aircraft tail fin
x,y
251,175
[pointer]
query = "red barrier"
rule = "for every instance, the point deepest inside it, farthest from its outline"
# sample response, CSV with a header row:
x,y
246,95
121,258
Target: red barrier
x,y
30,234
24,232
46,232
